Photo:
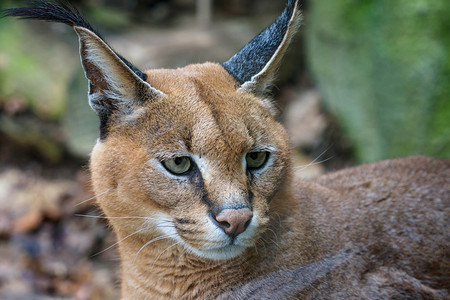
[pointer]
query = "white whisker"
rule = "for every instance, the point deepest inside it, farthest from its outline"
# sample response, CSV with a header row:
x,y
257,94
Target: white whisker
x,y
154,240
136,232
165,251
93,197
314,162
276,244
256,248
275,235
262,242
183,252
101,217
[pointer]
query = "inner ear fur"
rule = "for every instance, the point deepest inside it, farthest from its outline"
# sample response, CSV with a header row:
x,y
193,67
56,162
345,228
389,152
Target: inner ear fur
x,y
255,65
114,88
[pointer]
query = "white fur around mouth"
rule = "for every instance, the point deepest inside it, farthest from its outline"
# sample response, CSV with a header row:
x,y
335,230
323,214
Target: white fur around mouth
x,y
223,253
228,250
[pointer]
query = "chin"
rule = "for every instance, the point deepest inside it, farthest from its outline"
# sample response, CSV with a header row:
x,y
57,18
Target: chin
x,y
223,253
229,249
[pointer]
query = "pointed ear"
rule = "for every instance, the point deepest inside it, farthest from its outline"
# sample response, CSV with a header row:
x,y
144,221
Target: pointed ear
x,y
254,66
114,84
116,87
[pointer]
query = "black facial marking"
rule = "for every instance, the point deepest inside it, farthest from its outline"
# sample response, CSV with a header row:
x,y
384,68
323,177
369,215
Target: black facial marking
x,y
250,196
184,221
188,139
206,200
196,180
250,176
186,231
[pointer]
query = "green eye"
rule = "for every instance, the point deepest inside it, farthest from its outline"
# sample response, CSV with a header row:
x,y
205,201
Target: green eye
x,y
256,160
178,165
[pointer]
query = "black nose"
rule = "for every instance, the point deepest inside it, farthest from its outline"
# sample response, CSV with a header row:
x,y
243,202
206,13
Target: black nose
x,y
234,221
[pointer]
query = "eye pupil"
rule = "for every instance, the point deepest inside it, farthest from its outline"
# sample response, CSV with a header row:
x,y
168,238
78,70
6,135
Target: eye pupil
x,y
256,160
254,155
178,165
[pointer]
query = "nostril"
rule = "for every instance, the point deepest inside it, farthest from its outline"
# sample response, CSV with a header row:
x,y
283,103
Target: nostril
x,y
247,223
233,221
224,224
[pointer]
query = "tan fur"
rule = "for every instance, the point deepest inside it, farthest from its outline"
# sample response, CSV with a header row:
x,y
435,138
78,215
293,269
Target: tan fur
x,y
378,231
395,211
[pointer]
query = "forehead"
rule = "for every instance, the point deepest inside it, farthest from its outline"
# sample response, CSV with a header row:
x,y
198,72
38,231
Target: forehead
x,y
203,112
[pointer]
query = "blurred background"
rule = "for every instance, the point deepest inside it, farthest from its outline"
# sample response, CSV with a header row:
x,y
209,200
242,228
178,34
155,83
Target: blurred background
x,y
363,81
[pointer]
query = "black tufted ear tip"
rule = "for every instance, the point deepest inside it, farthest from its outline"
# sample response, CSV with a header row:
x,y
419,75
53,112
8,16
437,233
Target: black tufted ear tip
x,y
51,11
254,65
59,12
116,86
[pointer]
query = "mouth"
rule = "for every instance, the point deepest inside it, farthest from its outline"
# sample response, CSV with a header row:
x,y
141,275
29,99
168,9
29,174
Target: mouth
x,y
224,250
213,243
227,252
227,248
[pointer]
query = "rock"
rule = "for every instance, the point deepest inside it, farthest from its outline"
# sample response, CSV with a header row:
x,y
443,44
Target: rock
x,y
304,120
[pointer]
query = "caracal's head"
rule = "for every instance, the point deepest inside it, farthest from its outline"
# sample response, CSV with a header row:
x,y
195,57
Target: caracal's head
x,y
203,162
193,155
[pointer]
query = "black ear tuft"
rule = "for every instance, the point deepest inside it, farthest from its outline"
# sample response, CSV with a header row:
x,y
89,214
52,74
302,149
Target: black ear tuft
x,y
256,61
116,87
58,12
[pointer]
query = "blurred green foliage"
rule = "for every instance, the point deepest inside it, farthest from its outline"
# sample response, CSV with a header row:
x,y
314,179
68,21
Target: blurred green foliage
x,y
35,72
32,76
383,67
80,123
26,74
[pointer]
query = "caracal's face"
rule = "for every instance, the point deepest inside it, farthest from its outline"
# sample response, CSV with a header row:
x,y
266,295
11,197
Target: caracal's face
x,y
179,161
